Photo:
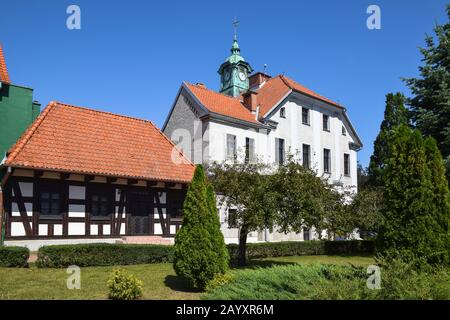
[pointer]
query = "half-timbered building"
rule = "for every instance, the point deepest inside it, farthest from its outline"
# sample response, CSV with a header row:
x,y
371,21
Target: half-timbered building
x,y
78,174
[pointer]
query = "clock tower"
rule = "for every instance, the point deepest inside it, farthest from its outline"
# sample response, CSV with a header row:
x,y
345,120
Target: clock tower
x,y
234,72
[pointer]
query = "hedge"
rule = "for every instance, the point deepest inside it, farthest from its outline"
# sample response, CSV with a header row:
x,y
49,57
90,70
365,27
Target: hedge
x,y
12,256
302,248
103,254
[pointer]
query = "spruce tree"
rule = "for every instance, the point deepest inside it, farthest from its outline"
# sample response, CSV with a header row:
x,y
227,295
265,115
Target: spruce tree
x,y
195,251
430,104
395,114
412,227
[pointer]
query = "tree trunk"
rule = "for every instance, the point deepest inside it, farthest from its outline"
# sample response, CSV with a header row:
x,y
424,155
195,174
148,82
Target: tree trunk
x,y
242,261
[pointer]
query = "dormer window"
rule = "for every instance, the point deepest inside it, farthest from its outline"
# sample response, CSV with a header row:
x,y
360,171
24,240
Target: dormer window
x,y
283,112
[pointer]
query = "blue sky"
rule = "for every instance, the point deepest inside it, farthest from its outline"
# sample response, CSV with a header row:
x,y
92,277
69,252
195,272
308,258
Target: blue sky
x,y
130,57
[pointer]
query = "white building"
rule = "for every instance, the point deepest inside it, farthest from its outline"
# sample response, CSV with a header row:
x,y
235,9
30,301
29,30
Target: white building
x,y
266,117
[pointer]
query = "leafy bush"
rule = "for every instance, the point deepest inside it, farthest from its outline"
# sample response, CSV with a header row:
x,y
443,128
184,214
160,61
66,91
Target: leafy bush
x,y
219,280
14,256
102,254
199,252
301,248
318,281
123,286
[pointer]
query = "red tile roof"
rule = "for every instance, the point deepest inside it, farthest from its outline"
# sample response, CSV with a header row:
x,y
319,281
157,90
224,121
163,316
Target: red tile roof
x,y
79,140
222,104
4,77
269,95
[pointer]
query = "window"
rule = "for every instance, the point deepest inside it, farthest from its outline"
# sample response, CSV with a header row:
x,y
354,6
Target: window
x,y
279,151
305,116
326,122
326,161
100,205
306,235
50,202
346,164
344,132
249,150
306,155
283,112
231,147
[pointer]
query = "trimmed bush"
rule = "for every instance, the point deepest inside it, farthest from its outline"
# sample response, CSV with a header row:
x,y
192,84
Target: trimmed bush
x,y
102,254
304,248
14,256
124,286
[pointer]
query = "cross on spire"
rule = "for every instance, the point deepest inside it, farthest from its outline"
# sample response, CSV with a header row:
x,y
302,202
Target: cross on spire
x,y
235,26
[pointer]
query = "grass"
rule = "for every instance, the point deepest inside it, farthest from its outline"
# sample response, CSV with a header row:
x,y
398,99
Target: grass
x,y
160,281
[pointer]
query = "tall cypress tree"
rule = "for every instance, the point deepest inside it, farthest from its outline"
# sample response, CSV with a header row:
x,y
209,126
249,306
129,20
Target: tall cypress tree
x,y
196,253
430,104
441,199
413,224
395,114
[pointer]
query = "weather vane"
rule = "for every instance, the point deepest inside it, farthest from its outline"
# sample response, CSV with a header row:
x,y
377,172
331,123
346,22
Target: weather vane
x,y
235,26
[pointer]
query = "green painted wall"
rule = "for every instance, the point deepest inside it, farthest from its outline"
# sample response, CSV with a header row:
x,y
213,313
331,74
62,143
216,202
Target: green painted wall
x,y
17,112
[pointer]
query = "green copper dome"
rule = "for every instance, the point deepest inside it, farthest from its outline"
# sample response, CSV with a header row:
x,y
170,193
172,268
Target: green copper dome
x,y
235,53
234,72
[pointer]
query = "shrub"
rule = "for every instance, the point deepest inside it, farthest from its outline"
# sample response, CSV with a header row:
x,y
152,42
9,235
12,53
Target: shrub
x,y
123,286
14,256
332,282
199,252
102,254
219,280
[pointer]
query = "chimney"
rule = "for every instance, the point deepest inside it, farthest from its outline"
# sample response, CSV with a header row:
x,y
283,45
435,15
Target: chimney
x,y
251,100
258,78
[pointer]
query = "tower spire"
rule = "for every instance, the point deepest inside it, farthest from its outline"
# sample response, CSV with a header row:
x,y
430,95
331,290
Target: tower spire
x,y
235,47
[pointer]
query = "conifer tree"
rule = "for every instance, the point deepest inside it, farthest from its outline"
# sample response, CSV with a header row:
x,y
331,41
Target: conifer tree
x,y
395,114
430,104
196,255
412,225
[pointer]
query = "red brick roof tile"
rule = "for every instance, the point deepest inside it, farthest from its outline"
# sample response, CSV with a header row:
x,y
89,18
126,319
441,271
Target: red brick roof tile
x,y
80,140
269,95
222,104
4,77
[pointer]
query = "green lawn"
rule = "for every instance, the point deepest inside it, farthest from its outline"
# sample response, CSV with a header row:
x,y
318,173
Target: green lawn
x,y
160,281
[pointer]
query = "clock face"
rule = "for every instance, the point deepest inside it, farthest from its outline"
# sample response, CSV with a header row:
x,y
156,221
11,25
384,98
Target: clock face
x,y
242,75
227,75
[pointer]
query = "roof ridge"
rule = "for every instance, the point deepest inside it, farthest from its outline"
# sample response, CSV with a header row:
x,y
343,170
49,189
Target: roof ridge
x,y
104,112
26,136
220,93
3,69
